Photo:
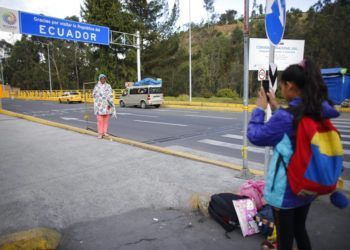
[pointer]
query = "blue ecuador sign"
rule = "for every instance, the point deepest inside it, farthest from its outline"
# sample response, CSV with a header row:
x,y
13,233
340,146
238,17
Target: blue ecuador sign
x,y
39,25
275,20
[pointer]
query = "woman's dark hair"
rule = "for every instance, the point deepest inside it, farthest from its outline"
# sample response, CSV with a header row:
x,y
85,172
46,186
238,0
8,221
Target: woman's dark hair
x,y
307,77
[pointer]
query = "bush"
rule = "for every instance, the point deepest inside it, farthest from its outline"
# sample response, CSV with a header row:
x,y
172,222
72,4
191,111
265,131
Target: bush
x,y
183,98
227,93
206,93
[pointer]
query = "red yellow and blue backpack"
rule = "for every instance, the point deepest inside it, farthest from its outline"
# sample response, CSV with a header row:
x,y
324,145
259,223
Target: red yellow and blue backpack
x,y
317,162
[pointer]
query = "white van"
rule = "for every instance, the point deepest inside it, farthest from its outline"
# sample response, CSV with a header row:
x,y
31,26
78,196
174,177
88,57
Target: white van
x,y
142,96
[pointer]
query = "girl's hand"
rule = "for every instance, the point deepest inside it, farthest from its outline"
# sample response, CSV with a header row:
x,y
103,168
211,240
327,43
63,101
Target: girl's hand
x,y
262,99
272,101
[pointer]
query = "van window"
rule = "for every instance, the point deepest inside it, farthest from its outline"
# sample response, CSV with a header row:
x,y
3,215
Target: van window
x,y
138,91
155,90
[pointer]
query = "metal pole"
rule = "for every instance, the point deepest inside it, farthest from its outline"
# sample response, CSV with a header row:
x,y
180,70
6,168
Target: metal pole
x,y
268,110
245,173
48,60
190,50
138,55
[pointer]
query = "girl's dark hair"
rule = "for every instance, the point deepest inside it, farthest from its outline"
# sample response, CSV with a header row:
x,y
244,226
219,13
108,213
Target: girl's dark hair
x,y
307,77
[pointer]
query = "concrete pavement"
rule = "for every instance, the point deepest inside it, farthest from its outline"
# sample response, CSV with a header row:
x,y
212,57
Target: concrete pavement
x,y
100,194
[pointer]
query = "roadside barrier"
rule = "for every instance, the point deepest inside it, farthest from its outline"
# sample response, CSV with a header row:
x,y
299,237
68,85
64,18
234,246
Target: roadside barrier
x,y
45,95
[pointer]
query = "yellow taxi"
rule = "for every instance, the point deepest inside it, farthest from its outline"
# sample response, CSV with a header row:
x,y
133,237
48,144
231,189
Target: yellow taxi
x,y
70,97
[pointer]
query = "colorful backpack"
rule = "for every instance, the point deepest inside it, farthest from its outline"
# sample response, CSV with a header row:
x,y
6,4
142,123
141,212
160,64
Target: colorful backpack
x,y
317,162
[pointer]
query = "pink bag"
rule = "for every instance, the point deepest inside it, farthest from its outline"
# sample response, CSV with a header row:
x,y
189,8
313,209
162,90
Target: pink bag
x,y
246,210
255,191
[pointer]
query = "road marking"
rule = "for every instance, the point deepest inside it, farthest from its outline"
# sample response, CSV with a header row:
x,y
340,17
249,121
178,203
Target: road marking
x,y
340,122
231,145
162,123
212,117
344,130
75,119
179,111
151,116
240,137
341,126
345,142
230,159
346,164
340,119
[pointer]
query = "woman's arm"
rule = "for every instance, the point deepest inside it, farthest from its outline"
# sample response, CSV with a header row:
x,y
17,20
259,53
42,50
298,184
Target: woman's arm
x,y
272,132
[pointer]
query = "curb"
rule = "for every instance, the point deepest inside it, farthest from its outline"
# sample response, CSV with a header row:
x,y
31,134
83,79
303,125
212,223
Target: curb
x,y
36,238
132,143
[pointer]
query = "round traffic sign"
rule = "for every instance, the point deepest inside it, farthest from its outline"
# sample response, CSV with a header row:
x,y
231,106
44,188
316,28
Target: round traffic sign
x,y
261,74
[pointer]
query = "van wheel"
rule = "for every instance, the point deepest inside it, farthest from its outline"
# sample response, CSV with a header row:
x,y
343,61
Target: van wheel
x,y
122,104
142,104
68,101
157,105
59,100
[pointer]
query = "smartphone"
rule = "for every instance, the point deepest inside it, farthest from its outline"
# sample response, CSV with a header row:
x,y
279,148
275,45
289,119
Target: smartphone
x,y
266,86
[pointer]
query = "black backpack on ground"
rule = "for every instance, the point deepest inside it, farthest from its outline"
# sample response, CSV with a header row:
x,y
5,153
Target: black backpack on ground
x,y
222,210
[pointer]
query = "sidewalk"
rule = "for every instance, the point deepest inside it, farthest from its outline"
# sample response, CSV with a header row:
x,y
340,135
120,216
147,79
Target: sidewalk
x,y
101,194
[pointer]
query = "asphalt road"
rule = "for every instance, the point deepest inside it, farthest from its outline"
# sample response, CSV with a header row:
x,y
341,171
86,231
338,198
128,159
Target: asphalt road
x,y
216,135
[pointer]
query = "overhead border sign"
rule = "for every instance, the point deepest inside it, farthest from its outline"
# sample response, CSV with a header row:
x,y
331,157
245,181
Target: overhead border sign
x,y
40,25
275,20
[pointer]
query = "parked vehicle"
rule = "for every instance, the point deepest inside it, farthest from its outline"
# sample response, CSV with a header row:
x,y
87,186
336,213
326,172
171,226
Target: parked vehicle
x,y
142,96
70,97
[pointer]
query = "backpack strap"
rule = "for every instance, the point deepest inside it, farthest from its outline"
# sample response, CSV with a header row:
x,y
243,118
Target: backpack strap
x,y
278,163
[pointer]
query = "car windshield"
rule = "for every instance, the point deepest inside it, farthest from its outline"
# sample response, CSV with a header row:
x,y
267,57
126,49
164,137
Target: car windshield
x,y
74,93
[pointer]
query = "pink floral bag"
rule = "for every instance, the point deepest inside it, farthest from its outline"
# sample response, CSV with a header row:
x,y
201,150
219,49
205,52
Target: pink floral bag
x,y
254,189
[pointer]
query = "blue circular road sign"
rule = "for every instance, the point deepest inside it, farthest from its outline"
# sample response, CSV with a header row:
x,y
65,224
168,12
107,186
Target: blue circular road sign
x,y
275,20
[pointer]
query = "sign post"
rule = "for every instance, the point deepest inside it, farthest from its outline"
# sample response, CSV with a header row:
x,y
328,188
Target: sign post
x,y
275,22
245,173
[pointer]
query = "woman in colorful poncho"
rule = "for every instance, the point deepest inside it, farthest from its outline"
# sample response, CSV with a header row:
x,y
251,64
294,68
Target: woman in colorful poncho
x,y
103,104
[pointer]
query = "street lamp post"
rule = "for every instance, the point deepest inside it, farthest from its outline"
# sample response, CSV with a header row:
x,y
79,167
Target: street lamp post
x,y
190,50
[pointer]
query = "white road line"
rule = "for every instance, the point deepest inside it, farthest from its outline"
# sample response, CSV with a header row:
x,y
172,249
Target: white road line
x,y
176,110
151,116
341,126
336,122
346,164
345,136
230,159
344,130
74,119
345,142
162,123
240,137
340,119
212,117
231,145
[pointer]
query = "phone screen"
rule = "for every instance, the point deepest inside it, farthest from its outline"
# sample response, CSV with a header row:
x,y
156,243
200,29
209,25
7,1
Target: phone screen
x,y
266,86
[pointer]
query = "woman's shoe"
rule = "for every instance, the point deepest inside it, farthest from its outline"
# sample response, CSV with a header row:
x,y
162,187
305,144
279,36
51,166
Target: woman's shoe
x,y
99,136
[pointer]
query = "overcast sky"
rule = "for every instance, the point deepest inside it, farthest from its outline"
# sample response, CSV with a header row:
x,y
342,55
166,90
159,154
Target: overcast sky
x,y
63,8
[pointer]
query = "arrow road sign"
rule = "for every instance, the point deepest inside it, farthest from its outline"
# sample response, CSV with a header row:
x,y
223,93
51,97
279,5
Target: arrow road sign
x,y
275,20
273,76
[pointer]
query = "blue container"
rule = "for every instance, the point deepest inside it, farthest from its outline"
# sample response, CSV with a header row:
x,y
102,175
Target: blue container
x,y
338,84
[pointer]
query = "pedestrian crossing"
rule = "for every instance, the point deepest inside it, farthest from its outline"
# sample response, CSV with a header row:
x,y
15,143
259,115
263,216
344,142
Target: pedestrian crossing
x,y
234,142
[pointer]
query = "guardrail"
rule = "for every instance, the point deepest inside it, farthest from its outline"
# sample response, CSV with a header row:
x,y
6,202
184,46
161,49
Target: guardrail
x,y
46,95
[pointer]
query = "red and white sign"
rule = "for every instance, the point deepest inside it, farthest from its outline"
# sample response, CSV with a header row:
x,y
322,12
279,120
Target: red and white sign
x,y
261,74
